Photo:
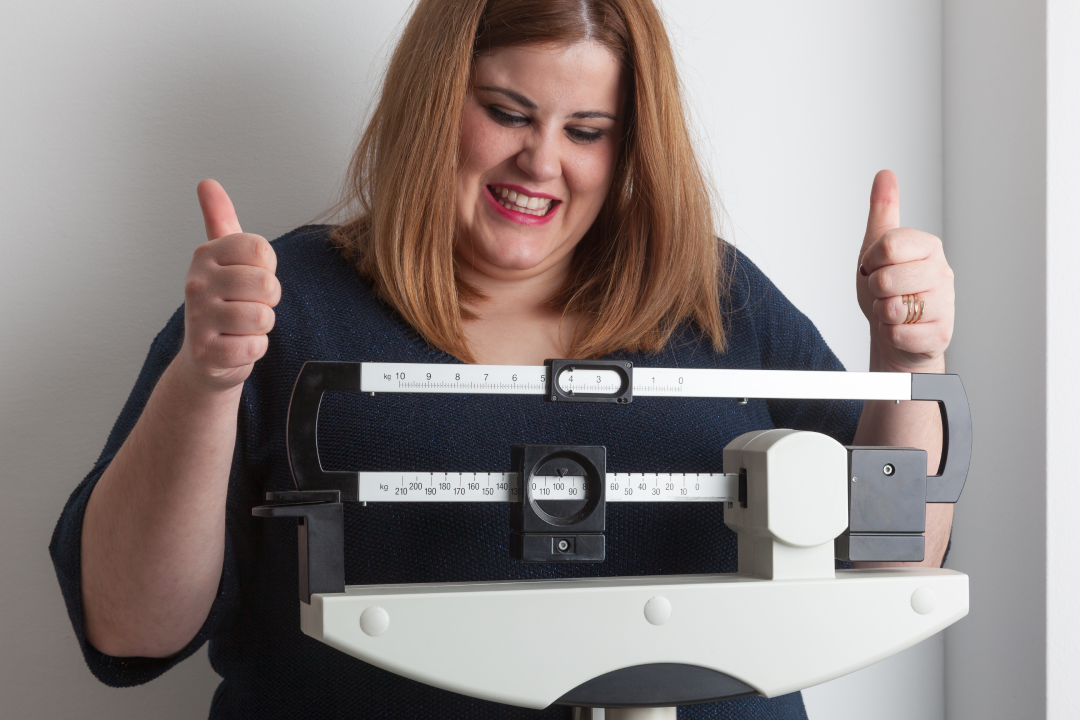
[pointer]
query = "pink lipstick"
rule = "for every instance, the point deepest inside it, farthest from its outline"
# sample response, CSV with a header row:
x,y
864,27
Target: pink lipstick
x,y
522,218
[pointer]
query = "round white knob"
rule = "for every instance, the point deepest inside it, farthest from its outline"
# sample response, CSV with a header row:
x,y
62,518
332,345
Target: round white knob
x,y
658,610
374,621
924,600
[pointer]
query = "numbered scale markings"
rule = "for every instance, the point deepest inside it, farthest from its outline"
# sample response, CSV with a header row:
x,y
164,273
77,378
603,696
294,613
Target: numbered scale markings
x,y
506,487
584,381
648,382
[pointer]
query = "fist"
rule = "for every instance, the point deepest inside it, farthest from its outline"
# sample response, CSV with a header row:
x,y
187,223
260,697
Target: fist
x,y
229,296
897,263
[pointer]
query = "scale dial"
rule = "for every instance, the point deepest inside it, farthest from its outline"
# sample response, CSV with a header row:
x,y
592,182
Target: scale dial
x,y
574,488
561,488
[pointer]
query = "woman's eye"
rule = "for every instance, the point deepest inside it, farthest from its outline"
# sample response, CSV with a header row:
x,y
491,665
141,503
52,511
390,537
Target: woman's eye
x,y
581,135
504,118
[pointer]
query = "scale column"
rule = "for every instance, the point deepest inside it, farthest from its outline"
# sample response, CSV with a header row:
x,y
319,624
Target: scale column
x,y
792,502
656,713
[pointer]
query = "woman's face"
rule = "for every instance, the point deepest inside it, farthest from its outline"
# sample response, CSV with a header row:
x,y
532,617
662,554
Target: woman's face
x,y
539,141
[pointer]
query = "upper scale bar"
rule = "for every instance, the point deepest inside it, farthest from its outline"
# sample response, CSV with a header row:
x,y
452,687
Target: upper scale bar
x,y
648,382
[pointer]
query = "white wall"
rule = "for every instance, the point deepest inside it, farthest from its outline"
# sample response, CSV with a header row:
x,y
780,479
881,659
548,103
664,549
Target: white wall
x,y
799,105
113,111
1062,351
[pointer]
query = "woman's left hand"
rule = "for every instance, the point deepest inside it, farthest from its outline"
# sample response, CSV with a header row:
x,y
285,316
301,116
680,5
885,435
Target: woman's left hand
x,y
896,263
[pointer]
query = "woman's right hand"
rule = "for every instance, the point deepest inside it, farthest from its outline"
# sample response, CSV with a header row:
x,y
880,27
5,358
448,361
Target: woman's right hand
x,y
229,296
153,536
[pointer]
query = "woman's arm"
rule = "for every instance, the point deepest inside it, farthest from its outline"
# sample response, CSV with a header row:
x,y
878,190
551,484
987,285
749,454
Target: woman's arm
x,y
897,262
911,424
153,536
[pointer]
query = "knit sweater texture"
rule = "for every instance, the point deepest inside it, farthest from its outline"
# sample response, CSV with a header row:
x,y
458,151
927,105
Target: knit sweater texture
x,y
269,668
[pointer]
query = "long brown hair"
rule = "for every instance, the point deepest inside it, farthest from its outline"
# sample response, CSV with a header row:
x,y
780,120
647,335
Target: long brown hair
x,y
651,259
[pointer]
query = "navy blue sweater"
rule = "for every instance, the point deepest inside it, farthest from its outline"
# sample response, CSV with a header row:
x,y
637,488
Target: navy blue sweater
x,y
327,312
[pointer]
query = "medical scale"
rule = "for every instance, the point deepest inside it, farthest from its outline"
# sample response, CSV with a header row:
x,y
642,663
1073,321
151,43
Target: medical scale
x,y
786,620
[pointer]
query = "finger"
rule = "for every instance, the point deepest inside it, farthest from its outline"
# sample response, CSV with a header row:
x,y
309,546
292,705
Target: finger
x,y
241,318
219,217
925,307
242,249
245,283
928,339
900,245
920,276
884,208
233,351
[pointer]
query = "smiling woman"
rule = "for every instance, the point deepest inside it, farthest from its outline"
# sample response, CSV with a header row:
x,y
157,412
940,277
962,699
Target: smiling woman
x,y
526,189
573,106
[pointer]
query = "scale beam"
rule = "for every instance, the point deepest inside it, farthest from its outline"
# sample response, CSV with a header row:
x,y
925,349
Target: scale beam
x,y
619,382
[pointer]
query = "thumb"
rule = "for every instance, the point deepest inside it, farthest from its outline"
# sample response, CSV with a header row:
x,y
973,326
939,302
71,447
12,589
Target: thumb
x,y
884,208
217,210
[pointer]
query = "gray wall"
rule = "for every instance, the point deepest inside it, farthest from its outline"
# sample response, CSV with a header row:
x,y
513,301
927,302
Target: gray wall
x,y
113,111
995,229
1012,146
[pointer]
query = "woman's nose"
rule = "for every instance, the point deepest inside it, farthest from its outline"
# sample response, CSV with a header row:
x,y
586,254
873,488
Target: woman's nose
x,y
540,157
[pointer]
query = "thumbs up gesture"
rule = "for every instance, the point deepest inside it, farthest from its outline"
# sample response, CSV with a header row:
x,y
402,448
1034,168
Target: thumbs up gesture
x,y
905,288
228,296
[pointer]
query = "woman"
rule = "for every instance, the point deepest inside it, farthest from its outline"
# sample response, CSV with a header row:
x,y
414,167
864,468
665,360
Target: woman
x,y
526,189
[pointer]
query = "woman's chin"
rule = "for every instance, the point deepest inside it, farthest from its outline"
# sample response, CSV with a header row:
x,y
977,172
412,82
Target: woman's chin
x,y
515,267
508,262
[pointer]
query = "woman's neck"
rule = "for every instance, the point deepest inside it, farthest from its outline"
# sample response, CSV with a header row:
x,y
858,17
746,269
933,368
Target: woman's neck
x,y
513,323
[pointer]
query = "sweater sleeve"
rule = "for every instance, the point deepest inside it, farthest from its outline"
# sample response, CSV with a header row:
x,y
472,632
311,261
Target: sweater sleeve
x,y
788,340
66,546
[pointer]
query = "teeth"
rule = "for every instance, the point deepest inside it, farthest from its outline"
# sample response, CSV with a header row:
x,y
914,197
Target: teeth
x,y
525,210
520,202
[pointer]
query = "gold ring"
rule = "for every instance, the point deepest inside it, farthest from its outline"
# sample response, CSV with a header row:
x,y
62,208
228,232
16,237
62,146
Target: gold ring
x,y
915,308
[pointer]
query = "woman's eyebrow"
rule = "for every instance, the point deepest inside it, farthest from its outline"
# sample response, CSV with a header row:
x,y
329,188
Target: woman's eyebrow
x,y
585,114
516,97
527,103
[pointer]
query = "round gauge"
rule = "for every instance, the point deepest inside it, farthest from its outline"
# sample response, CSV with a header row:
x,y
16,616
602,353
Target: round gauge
x,y
559,487
564,488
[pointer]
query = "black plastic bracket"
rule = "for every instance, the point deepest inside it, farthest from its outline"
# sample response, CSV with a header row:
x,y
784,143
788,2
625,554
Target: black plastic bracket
x,y
886,505
301,433
320,537
948,391
886,490
624,369
879,547
558,530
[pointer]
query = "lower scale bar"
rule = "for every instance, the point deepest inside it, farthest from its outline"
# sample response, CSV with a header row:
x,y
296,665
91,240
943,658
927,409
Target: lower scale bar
x,y
506,487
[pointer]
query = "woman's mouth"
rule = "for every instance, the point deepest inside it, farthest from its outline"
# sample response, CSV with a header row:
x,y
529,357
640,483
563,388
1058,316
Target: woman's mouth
x,y
518,202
